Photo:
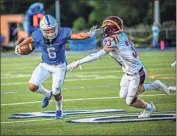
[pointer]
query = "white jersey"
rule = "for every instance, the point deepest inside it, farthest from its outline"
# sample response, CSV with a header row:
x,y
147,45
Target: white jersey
x,y
124,53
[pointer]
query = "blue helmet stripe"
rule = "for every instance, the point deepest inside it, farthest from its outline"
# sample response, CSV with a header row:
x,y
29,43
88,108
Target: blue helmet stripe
x,y
48,22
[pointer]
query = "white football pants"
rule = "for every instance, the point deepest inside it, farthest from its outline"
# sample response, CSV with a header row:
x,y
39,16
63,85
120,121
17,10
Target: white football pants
x,y
43,71
129,86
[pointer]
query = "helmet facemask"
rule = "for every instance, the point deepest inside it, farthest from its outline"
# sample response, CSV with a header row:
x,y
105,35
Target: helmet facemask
x,y
109,30
50,33
111,26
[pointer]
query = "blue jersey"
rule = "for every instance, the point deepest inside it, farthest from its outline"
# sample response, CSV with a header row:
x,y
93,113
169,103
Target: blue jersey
x,y
52,53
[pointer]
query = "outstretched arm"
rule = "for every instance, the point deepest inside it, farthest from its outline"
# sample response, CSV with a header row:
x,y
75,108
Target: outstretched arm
x,y
79,36
92,57
82,36
89,58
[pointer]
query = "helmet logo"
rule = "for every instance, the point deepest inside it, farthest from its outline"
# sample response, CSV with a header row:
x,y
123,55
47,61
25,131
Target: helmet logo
x,y
113,23
47,20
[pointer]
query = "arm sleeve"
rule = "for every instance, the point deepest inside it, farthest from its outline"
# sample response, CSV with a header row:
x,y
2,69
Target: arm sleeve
x,y
69,33
92,57
36,38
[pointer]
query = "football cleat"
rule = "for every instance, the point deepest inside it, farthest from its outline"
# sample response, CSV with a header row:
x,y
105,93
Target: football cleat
x,y
172,89
46,100
160,86
147,113
59,114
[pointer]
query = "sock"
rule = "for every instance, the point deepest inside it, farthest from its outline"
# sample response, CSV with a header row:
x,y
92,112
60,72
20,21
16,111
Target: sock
x,y
149,107
43,91
59,104
148,87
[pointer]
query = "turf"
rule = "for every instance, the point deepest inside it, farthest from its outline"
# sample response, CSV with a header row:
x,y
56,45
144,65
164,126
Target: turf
x,y
95,87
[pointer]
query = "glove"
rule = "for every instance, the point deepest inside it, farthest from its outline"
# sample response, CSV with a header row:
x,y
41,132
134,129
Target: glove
x,y
93,31
16,49
173,64
74,65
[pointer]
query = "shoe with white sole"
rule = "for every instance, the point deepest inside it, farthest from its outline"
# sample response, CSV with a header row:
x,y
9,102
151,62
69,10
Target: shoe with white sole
x,y
46,100
160,86
59,114
147,113
172,89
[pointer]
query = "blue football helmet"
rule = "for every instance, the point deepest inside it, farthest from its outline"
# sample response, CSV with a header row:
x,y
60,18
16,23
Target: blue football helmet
x,y
49,27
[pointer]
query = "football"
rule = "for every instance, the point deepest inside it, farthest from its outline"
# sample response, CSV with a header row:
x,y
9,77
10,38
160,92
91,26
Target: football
x,y
26,49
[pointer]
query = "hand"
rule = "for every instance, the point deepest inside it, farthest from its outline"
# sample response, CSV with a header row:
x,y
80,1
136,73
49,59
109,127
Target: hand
x,y
16,49
74,65
93,31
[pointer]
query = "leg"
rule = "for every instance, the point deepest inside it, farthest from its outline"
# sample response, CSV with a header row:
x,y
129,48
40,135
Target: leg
x,y
172,89
156,85
124,83
58,79
38,76
139,104
134,89
39,89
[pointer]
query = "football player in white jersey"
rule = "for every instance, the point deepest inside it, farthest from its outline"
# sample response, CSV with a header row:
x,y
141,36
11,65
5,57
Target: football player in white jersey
x,y
115,43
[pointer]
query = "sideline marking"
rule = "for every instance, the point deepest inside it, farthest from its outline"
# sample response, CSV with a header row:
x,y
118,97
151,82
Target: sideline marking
x,y
80,99
156,116
124,118
51,114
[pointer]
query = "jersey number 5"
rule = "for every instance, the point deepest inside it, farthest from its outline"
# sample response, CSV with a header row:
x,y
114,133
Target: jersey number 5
x,y
51,52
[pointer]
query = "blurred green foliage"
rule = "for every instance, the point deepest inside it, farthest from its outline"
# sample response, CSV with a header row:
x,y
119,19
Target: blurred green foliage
x,y
80,14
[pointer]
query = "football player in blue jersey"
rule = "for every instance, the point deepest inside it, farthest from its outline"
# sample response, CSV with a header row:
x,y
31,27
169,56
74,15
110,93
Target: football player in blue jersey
x,y
119,47
51,39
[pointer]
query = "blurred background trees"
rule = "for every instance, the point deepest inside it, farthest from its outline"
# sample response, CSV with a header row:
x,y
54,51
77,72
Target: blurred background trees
x,y
80,14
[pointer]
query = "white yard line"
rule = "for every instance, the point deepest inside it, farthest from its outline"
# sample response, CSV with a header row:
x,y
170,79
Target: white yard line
x,y
94,77
25,121
80,99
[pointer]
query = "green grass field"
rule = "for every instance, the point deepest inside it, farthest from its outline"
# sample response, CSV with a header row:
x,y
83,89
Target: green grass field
x,y
96,87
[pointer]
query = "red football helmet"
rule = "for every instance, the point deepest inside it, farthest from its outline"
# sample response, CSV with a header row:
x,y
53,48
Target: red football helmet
x,y
112,25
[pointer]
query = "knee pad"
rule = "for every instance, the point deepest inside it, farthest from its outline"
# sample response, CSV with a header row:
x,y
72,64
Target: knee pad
x,y
130,100
57,87
56,91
